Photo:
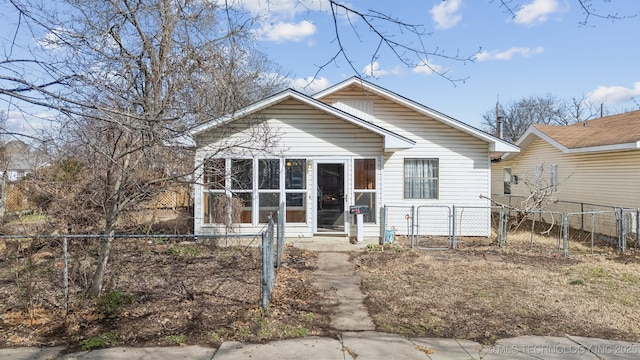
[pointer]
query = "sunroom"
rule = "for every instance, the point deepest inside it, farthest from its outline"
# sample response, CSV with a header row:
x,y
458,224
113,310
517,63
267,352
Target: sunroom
x,y
239,194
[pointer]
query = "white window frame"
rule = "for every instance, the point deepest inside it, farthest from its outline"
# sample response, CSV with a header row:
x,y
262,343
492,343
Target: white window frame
x,y
507,180
428,179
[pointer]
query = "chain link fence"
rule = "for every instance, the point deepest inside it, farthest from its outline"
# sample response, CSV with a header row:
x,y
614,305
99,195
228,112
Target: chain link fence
x,y
47,277
594,230
435,227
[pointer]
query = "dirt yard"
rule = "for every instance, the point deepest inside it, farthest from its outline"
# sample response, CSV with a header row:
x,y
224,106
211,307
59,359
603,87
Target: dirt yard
x,y
160,293
156,294
483,293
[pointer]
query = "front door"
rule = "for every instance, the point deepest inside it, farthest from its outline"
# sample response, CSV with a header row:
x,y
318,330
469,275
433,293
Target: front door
x,y
330,199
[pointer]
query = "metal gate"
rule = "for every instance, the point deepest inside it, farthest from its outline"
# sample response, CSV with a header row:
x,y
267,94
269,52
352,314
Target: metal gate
x,y
433,227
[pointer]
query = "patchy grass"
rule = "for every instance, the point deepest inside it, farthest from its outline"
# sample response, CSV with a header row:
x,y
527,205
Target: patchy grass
x,y
184,250
175,339
30,219
107,339
113,301
483,293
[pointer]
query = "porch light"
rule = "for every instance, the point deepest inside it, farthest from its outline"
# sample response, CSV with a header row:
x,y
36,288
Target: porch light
x,y
309,165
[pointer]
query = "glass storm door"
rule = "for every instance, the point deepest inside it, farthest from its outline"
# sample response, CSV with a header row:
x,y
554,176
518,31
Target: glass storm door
x,y
331,199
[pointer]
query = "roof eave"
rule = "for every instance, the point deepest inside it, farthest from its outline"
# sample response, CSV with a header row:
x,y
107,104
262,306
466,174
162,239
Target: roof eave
x,y
605,148
529,136
504,147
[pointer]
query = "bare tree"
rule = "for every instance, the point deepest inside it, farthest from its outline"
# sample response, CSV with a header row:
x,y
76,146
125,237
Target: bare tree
x,y
580,109
143,72
516,116
4,165
539,191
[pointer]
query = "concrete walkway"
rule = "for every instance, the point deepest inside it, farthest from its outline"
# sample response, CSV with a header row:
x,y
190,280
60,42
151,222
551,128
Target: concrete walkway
x,y
357,340
338,279
361,346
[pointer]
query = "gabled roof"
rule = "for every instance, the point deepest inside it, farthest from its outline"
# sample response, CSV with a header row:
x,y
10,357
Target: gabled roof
x,y
611,133
392,140
497,144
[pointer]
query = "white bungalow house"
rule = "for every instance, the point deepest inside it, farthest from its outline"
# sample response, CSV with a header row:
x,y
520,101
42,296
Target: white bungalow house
x,y
352,144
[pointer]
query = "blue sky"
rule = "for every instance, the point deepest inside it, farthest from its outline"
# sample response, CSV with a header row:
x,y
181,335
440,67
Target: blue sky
x,y
543,50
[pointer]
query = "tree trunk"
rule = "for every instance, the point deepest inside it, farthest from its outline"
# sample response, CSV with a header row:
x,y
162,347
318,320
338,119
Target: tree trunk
x,y
3,195
105,250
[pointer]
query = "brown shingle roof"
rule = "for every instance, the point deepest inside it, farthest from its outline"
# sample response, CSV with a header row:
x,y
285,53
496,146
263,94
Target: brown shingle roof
x,y
610,130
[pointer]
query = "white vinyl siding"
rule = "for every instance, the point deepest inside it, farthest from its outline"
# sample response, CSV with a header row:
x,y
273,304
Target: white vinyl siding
x,y
362,108
608,178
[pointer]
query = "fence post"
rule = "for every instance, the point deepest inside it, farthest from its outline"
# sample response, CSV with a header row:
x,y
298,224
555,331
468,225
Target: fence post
x,y
622,236
637,227
501,227
581,218
65,254
505,225
413,224
565,235
383,225
507,215
593,230
265,268
453,228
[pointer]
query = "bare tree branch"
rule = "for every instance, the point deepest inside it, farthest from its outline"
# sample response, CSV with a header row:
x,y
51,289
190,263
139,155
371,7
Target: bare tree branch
x,y
589,10
412,53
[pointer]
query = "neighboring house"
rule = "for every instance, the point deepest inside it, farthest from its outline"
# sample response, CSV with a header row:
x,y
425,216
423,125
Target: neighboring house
x,y
19,160
354,143
591,162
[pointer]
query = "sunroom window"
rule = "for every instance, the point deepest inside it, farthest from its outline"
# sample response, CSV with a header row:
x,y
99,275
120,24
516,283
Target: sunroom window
x,y
364,183
244,190
295,177
268,188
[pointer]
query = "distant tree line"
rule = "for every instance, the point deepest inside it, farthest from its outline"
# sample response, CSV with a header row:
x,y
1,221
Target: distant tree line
x,y
517,115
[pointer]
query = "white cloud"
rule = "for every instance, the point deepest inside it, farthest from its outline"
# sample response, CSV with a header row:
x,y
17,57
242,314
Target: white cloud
x,y
508,54
427,67
22,122
281,31
374,70
613,94
281,7
445,14
310,84
51,40
536,12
